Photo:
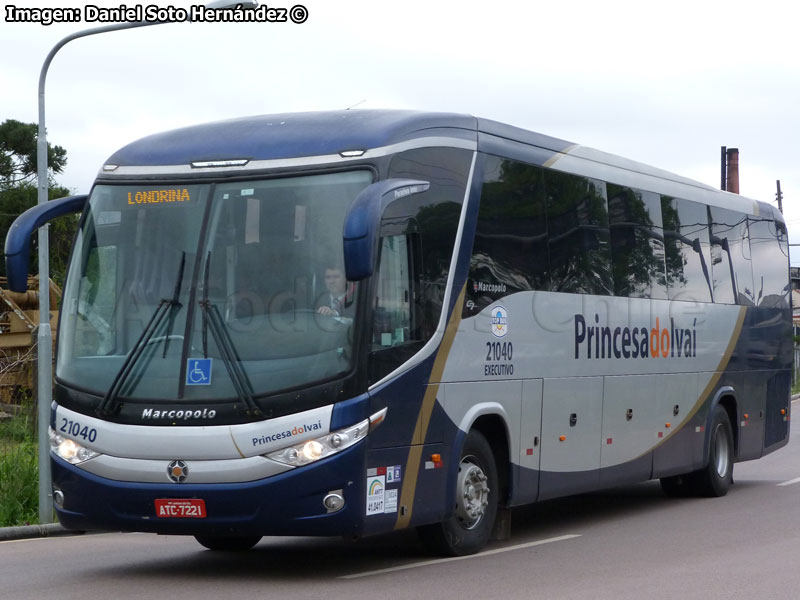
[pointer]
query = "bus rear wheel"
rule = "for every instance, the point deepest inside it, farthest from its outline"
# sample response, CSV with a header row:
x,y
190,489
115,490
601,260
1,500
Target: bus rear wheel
x,y
228,543
468,529
716,478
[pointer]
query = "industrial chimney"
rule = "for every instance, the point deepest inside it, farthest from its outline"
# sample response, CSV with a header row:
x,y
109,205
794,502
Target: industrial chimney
x,y
732,184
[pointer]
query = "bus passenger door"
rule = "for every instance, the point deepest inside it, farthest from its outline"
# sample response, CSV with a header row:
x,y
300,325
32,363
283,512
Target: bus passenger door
x,y
572,416
530,447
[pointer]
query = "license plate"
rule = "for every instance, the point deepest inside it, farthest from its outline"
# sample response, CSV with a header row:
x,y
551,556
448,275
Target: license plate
x,y
193,508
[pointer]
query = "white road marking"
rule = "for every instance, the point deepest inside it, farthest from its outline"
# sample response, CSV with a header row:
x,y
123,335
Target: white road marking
x,y
74,537
32,539
446,560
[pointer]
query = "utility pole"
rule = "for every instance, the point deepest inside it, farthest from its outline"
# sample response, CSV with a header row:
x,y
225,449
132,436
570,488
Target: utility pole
x,y
779,196
723,185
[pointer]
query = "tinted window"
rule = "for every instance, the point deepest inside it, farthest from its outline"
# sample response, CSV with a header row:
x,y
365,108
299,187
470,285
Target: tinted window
x,y
637,246
577,212
688,255
393,316
730,257
433,218
243,262
770,262
510,249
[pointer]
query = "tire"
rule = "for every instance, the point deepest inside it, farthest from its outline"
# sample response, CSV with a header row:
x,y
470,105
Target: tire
x,y
228,544
716,478
475,509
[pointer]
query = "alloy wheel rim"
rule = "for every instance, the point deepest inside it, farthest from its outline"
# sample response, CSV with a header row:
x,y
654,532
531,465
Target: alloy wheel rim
x,y
721,451
472,493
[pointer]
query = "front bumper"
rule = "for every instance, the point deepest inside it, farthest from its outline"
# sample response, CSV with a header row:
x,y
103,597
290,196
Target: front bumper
x,y
286,504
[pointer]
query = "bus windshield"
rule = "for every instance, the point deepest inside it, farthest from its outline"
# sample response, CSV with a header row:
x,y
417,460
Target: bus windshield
x,y
205,288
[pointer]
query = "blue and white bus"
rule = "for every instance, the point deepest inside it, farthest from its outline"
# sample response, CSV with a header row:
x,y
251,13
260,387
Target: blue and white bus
x,y
346,323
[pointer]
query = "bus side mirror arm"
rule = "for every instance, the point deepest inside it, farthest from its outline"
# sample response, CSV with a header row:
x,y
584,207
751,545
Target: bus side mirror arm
x,y
18,239
362,223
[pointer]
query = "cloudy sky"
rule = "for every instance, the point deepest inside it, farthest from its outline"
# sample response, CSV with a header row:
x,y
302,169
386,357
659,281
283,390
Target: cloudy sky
x,y
663,83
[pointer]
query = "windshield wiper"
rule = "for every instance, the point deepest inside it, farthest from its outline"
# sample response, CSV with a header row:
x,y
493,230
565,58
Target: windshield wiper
x,y
213,320
167,307
175,305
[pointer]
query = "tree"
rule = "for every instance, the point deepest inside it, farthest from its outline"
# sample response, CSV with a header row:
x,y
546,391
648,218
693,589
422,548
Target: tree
x,y
18,154
18,191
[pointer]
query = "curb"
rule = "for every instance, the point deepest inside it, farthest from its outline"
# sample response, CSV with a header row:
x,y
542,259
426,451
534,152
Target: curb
x,y
35,531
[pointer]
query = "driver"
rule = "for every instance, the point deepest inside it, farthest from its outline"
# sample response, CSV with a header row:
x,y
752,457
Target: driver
x,y
338,300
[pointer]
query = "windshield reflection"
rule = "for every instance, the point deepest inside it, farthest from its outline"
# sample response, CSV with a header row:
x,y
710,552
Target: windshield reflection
x,y
256,255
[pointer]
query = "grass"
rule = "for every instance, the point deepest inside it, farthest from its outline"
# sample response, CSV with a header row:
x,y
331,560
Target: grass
x,y
19,473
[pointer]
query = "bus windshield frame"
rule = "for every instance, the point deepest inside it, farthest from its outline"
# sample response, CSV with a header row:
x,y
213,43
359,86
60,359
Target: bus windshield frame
x,y
242,267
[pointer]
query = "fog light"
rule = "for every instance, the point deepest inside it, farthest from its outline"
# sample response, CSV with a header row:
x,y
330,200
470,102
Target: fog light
x,y
58,498
333,501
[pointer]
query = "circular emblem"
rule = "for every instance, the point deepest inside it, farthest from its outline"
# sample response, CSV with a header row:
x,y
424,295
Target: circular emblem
x,y
499,317
177,471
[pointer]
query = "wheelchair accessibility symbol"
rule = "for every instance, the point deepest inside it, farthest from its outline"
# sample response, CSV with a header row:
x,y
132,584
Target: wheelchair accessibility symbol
x,y
198,371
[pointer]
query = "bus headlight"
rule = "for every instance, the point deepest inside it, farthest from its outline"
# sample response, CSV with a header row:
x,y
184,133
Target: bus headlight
x,y
68,449
313,450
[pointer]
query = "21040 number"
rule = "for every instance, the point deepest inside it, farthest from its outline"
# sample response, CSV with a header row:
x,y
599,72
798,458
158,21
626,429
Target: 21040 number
x,y
496,351
75,429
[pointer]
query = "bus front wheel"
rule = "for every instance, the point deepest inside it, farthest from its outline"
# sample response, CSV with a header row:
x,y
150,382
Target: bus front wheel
x,y
468,529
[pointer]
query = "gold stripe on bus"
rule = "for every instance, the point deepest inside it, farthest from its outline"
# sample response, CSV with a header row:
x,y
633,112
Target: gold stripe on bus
x,y
235,445
723,364
554,159
712,383
411,474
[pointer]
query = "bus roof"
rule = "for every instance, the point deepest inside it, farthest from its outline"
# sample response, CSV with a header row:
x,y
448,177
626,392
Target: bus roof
x,y
325,135
292,135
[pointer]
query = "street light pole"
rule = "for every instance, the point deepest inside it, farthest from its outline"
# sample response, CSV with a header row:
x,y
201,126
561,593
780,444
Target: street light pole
x,y
44,337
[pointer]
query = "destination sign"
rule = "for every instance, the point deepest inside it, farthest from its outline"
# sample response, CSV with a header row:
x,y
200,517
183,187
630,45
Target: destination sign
x,y
159,196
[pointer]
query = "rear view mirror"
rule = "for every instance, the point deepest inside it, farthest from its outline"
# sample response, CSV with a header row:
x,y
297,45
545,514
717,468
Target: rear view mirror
x,y
18,239
362,223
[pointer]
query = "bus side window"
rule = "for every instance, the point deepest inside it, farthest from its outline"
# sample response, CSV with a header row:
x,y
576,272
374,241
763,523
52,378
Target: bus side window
x,y
509,253
396,335
578,234
730,257
637,243
432,217
392,304
770,262
688,253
